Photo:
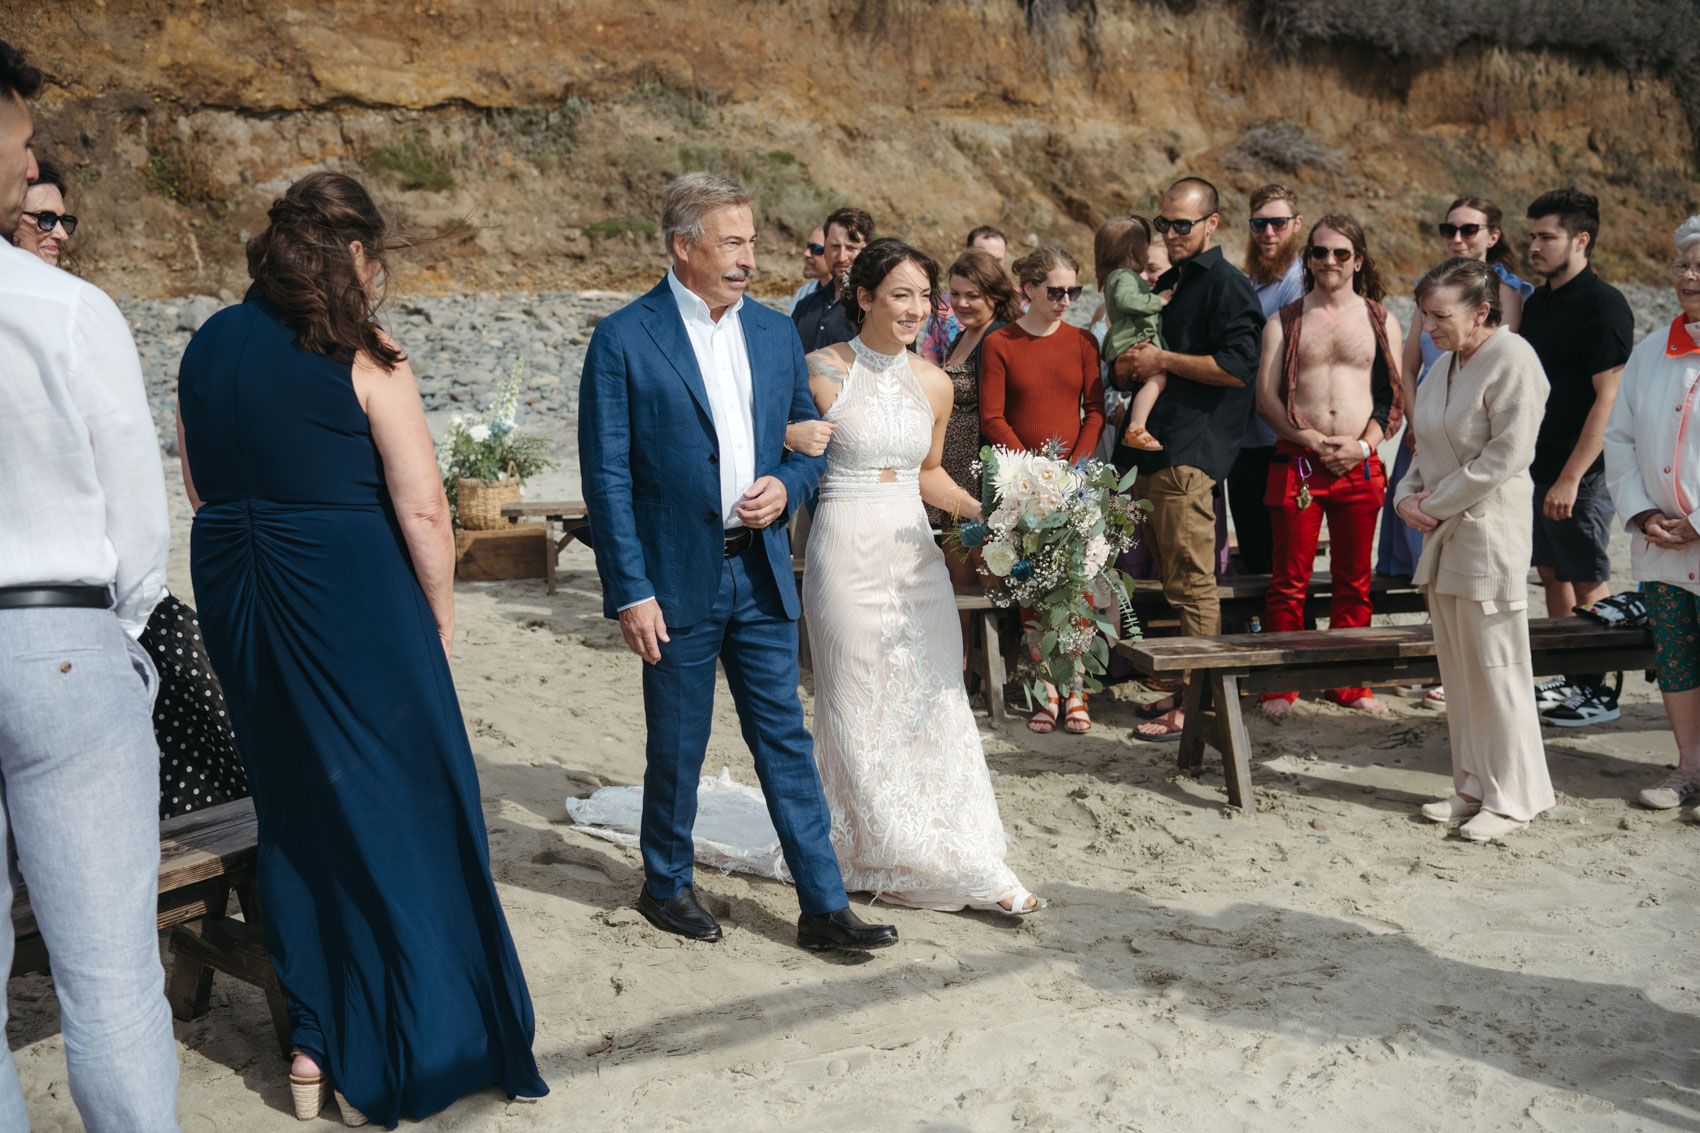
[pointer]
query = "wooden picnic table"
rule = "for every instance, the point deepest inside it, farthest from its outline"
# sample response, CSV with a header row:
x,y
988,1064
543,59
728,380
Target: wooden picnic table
x,y
204,856
573,518
1219,669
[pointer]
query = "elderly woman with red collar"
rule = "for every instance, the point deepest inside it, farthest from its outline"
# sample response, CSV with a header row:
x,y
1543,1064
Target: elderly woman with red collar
x,y
1653,469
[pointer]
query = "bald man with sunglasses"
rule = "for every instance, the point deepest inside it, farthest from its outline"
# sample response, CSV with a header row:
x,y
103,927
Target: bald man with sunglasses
x,y
1213,326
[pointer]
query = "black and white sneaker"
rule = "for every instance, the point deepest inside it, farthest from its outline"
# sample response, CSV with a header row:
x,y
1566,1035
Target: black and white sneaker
x,y
1553,692
1587,706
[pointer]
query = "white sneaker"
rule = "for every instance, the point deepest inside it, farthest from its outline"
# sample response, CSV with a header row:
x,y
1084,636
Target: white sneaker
x,y
1489,827
1449,810
1554,691
1672,791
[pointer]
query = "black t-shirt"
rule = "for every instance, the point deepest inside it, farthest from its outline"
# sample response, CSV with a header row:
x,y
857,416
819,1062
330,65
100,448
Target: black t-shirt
x,y
1215,312
1581,329
821,321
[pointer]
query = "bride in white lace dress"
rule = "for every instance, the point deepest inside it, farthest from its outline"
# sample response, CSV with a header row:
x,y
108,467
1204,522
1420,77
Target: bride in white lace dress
x,y
914,820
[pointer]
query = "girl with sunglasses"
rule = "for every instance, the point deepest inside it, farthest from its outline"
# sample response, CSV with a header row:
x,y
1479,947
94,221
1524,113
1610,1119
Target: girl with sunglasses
x,y
1472,231
45,230
1040,381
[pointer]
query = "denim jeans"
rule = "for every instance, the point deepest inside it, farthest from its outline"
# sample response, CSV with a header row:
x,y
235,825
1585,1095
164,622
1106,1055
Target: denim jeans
x,y
80,775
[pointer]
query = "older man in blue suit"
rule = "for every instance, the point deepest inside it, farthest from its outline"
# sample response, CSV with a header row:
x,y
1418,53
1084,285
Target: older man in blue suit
x,y
683,405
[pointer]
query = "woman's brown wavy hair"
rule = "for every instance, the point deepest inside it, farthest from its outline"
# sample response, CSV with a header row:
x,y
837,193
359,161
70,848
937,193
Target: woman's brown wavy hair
x,y
987,273
302,266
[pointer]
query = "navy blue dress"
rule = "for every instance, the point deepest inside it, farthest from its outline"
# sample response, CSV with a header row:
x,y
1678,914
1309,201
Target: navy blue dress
x,y
380,913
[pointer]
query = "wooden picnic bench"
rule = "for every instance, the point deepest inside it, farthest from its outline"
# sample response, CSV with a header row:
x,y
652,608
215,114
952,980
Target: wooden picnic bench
x,y
574,520
1243,597
203,856
1222,668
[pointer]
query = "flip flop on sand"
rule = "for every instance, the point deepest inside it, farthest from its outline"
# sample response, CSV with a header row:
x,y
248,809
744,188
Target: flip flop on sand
x,y
1160,733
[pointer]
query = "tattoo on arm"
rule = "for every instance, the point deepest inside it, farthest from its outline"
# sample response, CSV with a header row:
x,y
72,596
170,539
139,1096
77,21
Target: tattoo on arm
x,y
823,365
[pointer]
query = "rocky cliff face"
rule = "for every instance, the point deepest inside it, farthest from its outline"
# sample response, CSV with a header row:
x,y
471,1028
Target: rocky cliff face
x,y
551,126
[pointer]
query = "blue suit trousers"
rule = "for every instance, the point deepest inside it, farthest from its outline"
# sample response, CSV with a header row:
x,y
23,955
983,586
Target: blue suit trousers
x,y
748,632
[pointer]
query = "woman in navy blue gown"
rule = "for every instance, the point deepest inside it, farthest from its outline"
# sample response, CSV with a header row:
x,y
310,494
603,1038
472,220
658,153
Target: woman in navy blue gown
x,y
323,567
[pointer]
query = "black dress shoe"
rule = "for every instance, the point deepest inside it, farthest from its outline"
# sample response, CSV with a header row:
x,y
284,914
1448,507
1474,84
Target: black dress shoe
x,y
681,915
842,929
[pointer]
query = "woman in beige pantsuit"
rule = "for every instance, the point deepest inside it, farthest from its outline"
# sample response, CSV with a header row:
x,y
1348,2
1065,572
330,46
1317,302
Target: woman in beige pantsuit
x,y
1468,491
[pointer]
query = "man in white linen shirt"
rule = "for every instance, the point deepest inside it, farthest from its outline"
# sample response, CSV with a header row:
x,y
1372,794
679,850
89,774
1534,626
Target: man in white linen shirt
x,y
83,537
683,405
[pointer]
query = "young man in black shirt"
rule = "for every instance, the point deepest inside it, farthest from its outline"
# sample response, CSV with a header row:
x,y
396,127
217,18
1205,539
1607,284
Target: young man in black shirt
x,y
820,318
1582,329
1214,330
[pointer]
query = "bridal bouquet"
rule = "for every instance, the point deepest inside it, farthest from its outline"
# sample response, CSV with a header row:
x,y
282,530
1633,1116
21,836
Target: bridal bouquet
x,y
1050,537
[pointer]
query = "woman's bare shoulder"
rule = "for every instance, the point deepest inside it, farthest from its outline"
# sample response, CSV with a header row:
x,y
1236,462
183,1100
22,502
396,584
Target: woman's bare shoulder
x,y
831,363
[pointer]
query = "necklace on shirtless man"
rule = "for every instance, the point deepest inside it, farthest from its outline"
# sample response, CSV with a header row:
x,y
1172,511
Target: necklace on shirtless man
x,y
1305,471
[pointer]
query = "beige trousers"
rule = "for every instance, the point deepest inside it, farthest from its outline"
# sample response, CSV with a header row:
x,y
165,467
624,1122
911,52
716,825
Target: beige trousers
x,y
1497,752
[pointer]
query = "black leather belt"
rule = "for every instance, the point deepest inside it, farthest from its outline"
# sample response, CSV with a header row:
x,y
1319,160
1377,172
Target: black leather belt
x,y
75,597
739,541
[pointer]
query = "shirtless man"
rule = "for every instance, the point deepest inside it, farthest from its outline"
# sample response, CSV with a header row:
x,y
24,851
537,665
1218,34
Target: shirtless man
x,y
1328,385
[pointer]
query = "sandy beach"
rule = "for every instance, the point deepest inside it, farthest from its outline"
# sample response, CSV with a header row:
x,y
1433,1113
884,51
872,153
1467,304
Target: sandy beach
x,y
1330,962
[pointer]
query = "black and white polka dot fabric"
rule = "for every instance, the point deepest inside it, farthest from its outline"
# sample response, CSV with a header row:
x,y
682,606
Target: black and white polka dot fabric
x,y
198,763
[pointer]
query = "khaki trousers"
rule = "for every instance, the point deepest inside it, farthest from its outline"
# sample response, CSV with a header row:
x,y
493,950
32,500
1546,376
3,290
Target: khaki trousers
x,y
1181,532
1497,752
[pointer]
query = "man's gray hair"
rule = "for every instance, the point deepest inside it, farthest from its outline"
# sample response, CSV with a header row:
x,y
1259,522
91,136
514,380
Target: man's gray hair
x,y
689,198
1687,234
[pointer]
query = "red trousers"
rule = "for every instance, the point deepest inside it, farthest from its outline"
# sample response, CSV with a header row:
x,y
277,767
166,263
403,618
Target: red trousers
x,y
1352,506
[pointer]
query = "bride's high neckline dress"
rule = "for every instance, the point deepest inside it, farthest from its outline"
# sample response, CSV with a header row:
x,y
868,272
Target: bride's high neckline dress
x,y
913,814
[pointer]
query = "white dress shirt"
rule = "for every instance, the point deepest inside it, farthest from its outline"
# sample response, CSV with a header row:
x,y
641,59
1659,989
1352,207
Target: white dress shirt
x,y
82,494
725,365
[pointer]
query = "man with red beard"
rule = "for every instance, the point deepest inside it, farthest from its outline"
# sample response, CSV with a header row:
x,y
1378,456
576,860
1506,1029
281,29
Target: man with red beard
x,y
1276,271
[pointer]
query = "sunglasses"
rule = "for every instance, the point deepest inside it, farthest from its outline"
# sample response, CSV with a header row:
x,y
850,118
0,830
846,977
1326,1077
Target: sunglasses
x,y
1058,294
48,221
1467,231
1259,223
1321,254
1181,227
816,249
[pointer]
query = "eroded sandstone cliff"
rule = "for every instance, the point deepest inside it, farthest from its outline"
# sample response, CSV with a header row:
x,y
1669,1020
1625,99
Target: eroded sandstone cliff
x,y
551,126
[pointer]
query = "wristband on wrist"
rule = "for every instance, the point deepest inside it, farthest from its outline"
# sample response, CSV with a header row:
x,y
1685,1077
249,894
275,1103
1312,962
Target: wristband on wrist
x,y
1365,446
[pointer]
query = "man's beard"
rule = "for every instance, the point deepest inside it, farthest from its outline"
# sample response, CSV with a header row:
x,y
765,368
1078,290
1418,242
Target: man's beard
x,y
1266,267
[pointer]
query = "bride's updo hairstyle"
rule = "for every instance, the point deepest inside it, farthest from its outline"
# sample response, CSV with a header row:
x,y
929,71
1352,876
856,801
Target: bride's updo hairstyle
x,y
878,260
301,265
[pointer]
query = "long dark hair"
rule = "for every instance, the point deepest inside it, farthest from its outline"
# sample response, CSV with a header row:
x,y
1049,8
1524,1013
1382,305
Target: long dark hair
x,y
302,265
1367,280
1500,251
987,273
878,260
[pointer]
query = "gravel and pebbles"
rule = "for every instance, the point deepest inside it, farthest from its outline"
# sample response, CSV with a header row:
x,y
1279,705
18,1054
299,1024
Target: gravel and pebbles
x,y
463,347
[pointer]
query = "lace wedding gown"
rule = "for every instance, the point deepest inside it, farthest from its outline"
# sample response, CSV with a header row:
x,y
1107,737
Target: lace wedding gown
x,y
913,815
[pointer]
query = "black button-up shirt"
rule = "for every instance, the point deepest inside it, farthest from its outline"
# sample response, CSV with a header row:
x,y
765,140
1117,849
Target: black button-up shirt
x,y
1214,312
821,321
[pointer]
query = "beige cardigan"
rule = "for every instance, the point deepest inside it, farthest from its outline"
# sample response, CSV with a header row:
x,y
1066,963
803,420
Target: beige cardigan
x,y
1475,428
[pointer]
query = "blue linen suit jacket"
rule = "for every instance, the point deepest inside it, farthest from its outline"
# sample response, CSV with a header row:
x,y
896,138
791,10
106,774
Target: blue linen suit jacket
x,y
649,456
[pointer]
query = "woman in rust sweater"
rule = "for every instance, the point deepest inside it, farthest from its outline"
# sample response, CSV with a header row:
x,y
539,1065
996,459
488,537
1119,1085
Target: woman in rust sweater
x,y
1040,381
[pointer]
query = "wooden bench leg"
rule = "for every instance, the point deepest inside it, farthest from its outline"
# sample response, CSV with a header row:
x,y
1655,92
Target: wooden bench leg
x,y
993,675
1232,740
1195,705
248,894
189,988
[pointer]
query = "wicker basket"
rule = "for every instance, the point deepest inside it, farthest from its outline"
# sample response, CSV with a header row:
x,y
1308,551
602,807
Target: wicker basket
x,y
481,503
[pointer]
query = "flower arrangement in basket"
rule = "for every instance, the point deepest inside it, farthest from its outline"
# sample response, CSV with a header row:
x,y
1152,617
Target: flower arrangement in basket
x,y
484,461
1050,537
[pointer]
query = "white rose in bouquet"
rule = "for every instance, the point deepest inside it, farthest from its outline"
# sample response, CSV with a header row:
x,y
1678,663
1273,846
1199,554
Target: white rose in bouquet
x,y
1000,557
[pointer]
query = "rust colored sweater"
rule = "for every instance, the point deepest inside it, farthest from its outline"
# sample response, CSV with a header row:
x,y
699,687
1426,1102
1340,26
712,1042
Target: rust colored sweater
x,y
1035,389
